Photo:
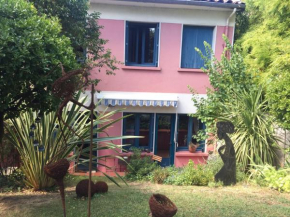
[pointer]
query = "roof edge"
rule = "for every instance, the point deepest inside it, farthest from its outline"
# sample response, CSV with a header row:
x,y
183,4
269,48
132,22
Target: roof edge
x,y
239,6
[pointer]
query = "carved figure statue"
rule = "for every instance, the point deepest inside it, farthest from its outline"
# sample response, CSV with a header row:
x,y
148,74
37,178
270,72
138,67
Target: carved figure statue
x,y
227,174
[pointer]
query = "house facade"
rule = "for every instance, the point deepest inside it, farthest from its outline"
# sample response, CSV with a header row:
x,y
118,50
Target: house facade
x,y
155,40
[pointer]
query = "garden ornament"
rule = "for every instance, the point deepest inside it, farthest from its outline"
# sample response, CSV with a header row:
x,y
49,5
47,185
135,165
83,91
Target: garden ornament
x,y
227,173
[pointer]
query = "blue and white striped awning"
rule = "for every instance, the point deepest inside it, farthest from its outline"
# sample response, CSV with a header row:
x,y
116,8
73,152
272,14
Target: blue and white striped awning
x,y
138,99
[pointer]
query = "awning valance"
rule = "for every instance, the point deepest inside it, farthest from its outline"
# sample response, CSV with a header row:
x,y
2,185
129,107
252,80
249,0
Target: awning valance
x,y
138,99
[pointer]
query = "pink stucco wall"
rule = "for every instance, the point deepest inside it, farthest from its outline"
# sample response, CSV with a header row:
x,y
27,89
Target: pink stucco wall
x,y
167,79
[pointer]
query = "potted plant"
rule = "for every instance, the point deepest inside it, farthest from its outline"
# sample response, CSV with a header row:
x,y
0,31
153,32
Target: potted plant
x,y
192,146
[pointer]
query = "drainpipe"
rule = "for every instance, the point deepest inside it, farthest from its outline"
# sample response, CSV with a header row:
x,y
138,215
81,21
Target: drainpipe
x,y
227,26
228,22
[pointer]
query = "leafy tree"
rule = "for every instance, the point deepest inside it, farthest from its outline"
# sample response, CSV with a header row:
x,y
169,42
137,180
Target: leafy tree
x,y
234,96
82,29
31,50
266,48
226,77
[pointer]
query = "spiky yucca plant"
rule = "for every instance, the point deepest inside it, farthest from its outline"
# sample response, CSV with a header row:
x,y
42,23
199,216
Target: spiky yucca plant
x,y
254,138
53,143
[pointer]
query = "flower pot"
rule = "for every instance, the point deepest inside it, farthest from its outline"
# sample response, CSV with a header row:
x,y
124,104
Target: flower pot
x,y
192,148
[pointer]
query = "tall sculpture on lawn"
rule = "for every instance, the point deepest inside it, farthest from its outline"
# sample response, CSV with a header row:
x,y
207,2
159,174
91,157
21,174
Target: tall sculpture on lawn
x,y
227,174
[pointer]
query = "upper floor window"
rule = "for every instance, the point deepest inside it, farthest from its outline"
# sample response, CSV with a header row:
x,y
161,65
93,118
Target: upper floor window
x,y
194,36
142,44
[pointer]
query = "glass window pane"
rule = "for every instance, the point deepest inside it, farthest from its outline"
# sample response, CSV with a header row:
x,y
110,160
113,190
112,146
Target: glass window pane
x,y
129,129
163,139
149,44
141,43
144,130
182,130
132,44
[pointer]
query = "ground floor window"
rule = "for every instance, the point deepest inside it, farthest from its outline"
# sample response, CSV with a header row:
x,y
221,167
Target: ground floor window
x,y
187,127
142,124
139,124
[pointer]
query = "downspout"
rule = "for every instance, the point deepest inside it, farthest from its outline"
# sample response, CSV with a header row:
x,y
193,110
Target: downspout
x,y
228,22
227,27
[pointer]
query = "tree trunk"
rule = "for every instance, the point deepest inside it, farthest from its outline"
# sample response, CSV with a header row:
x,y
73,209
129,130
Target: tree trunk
x,y
1,127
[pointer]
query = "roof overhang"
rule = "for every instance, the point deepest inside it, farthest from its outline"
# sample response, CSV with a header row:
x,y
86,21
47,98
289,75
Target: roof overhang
x,y
218,4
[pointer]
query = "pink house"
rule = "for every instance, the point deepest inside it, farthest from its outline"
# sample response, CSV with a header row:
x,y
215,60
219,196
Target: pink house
x,y
155,40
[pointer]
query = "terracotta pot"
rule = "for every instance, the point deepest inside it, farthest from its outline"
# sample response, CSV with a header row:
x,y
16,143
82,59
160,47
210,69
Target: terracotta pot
x,y
192,148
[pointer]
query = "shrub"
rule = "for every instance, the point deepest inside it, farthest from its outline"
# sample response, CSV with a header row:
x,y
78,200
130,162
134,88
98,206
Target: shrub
x,y
191,175
159,175
13,181
139,167
268,176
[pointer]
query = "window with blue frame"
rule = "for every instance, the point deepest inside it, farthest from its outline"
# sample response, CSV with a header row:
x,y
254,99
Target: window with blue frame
x,y
194,37
142,44
186,128
138,124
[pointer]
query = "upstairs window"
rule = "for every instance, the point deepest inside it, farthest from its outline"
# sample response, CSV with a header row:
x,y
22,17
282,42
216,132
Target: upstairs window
x,y
142,44
194,36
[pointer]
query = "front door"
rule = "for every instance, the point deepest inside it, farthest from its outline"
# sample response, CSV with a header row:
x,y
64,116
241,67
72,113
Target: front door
x,y
164,136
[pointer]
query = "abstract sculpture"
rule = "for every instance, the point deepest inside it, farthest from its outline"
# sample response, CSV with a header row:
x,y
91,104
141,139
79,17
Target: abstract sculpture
x,y
161,206
58,171
101,187
82,188
227,173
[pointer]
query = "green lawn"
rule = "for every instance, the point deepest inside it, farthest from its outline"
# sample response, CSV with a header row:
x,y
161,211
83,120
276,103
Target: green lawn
x,y
241,200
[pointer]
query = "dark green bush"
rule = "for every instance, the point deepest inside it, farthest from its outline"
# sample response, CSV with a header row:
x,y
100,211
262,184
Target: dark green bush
x,y
139,168
15,180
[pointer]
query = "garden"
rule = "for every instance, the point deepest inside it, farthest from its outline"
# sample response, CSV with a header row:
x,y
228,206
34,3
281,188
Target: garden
x,y
45,122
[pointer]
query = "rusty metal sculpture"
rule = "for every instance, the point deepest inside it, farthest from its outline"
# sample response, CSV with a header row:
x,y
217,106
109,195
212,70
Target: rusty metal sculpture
x,y
82,188
64,88
227,174
101,187
58,171
161,206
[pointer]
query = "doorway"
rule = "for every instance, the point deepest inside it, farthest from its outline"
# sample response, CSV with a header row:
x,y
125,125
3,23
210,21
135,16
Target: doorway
x,y
164,138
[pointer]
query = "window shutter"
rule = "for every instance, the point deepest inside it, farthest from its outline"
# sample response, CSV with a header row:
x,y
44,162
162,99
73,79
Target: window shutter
x,y
126,42
156,47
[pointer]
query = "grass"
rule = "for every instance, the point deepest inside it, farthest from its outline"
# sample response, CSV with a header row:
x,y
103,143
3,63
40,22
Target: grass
x,y
132,200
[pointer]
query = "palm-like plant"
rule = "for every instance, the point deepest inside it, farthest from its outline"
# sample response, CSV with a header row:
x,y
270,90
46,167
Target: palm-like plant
x,y
49,143
254,139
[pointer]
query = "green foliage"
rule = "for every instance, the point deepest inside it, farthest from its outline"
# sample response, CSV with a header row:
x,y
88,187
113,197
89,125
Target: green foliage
x,y
15,180
49,137
194,175
159,175
254,139
56,144
225,76
269,55
266,175
83,30
31,49
139,168
191,174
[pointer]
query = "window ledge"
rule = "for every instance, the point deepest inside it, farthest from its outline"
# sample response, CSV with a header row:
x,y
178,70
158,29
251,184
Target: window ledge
x,y
189,70
123,154
189,154
140,68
